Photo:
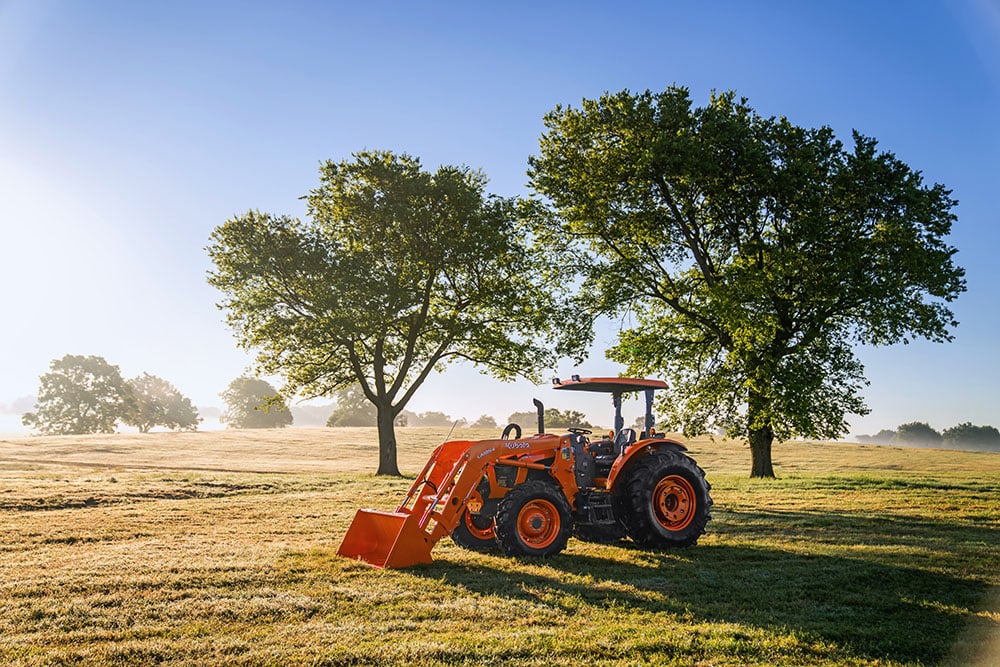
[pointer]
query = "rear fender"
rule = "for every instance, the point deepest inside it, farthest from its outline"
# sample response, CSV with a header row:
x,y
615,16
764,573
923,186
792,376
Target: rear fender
x,y
638,450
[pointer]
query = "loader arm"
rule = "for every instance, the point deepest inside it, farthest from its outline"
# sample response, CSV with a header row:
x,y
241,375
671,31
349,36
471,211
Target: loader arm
x,y
439,496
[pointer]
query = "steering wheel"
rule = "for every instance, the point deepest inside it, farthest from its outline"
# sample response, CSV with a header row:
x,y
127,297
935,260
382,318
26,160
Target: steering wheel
x,y
579,431
511,427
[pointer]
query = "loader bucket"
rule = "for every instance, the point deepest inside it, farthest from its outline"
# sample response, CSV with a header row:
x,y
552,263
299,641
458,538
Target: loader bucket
x,y
386,539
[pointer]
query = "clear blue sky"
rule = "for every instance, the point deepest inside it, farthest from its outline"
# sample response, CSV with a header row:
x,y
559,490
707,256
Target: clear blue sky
x,y
129,130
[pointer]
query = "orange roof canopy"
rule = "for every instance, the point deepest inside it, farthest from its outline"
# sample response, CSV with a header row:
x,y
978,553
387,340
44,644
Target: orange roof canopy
x,y
610,385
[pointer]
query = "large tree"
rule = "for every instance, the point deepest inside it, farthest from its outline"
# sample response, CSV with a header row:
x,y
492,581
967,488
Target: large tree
x,y
156,402
397,272
254,403
80,394
751,254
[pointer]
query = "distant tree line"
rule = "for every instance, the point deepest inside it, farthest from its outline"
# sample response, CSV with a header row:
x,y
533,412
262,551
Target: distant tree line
x,y
962,436
86,394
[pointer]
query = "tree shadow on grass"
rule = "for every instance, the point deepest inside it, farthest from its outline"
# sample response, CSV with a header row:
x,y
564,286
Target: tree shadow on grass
x,y
869,605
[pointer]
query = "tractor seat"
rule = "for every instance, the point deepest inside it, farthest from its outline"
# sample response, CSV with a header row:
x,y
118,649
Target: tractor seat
x,y
625,437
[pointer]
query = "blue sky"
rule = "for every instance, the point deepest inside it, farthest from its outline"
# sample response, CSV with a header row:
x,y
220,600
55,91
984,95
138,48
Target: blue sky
x,y
128,131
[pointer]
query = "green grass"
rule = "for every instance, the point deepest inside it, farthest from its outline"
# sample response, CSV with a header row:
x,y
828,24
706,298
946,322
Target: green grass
x,y
219,548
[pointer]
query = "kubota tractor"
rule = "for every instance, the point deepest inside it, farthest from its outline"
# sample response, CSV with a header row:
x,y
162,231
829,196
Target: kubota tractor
x,y
527,495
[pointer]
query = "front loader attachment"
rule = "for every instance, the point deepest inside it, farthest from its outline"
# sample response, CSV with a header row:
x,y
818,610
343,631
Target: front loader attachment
x,y
387,539
405,537
435,503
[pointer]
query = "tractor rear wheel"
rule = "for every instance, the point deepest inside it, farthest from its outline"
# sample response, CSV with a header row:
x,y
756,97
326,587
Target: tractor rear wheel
x,y
666,501
534,519
475,532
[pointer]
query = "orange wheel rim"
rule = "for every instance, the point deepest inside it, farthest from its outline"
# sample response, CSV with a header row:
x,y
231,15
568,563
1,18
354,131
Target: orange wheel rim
x,y
538,523
476,532
674,502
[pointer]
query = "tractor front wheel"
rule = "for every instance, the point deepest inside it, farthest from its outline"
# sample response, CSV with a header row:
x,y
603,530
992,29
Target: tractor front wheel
x,y
475,532
666,501
534,519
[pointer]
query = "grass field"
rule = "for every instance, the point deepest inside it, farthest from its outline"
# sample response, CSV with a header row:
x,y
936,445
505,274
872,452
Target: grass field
x,y
219,548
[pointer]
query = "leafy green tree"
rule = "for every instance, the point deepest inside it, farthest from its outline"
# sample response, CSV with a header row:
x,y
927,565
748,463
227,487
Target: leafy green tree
x,y
554,418
484,421
566,419
526,420
80,394
750,253
398,272
353,408
156,402
432,418
968,436
883,437
254,403
917,433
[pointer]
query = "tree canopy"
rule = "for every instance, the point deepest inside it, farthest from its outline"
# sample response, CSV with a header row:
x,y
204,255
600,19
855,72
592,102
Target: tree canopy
x,y
80,394
554,418
484,421
254,403
749,253
397,272
156,402
917,433
353,408
970,436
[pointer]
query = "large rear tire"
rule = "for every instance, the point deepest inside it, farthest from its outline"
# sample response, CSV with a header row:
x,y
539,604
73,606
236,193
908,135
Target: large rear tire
x,y
475,533
666,501
534,519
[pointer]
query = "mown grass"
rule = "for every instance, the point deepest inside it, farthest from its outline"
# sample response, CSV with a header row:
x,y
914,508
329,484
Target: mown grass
x,y
219,548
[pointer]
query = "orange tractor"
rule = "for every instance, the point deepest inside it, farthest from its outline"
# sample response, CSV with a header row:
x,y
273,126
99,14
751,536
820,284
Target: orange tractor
x,y
527,495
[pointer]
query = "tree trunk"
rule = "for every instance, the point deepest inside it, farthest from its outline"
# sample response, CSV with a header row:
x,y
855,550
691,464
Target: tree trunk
x,y
760,452
386,441
760,432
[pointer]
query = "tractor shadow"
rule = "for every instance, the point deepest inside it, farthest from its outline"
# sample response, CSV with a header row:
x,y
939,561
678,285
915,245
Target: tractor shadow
x,y
872,604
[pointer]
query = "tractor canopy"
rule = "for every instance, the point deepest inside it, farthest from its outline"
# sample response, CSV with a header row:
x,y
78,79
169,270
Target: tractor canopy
x,y
608,385
616,387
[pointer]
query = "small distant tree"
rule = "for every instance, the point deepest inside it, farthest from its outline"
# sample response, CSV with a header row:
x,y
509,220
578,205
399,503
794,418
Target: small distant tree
x,y
554,418
526,420
156,402
917,433
883,437
254,403
432,418
967,435
484,421
79,394
353,409
566,419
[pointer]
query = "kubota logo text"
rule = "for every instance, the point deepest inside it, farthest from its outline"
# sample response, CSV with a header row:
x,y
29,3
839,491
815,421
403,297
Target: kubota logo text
x,y
517,445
